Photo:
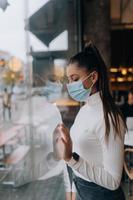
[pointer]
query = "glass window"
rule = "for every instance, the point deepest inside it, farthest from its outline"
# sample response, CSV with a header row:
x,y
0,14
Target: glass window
x,y
37,38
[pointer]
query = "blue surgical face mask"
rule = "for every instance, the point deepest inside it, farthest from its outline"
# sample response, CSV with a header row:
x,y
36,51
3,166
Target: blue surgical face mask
x,y
53,90
54,87
77,91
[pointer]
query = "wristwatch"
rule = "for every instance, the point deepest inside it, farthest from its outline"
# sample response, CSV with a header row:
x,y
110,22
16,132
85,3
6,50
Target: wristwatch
x,y
75,156
74,159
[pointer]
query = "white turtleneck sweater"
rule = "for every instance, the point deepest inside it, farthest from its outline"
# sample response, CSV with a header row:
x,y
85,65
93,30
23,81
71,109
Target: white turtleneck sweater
x,y
100,162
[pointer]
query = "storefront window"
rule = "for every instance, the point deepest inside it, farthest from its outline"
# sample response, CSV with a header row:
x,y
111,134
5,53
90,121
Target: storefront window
x,y
35,44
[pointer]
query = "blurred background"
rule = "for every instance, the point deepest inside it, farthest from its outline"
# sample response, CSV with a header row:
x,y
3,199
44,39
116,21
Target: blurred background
x,y
37,38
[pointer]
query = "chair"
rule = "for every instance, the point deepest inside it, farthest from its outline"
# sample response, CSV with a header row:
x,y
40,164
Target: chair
x,y
128,166
129,121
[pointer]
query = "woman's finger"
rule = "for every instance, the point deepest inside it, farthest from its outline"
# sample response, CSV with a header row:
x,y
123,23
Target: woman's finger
x,y
64,141
66,137
65,131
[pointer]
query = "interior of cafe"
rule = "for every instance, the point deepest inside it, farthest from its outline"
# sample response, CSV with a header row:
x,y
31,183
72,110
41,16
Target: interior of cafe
x,y
34,53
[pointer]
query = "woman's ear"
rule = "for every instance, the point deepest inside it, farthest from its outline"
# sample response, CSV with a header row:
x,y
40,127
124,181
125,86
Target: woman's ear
x,y
94,77
91,80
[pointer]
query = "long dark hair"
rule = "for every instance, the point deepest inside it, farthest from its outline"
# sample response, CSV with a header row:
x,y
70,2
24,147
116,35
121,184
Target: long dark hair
x,y
91,59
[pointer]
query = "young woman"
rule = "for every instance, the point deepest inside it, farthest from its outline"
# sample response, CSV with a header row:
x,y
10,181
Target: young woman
x,y
95,145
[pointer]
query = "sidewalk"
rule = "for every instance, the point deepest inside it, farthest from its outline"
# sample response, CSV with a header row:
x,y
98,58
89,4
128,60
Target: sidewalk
x,y
51,189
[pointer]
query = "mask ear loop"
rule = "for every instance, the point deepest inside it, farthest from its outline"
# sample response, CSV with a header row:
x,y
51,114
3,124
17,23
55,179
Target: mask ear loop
x,y
88,77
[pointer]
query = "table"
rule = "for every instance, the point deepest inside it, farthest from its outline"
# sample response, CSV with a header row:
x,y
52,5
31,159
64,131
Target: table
x,y
8,135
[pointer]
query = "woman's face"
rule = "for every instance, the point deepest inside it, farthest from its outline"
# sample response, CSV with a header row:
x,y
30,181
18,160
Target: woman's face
x,y
75,73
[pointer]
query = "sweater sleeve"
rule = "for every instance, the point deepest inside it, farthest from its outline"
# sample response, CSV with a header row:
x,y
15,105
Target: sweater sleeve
x,y
108,174
52,163
67,181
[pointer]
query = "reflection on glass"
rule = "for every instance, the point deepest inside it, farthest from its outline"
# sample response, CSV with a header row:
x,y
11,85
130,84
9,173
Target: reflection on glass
x,y
33,98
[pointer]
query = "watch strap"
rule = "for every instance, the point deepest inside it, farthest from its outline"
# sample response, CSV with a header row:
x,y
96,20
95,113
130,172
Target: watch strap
x,y
74,159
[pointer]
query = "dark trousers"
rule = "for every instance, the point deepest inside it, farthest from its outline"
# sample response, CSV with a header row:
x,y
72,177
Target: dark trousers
x,y
91,191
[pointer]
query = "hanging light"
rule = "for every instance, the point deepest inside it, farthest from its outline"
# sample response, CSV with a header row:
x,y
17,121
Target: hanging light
x,y
113,69
123,71
130,79
15,64
130,69
120,79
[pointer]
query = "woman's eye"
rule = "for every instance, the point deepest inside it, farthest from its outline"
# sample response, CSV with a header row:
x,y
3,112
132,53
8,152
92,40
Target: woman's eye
x,y
76,79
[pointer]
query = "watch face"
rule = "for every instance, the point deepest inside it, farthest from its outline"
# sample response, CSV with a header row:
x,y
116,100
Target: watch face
x,y
75,156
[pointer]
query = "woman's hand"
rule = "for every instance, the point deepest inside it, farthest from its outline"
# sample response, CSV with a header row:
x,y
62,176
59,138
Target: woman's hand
x,y
58,145
73,195
62,143
66,139
70,196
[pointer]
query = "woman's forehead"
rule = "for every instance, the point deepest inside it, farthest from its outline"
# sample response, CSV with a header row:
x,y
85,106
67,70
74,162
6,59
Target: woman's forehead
x,y
75,69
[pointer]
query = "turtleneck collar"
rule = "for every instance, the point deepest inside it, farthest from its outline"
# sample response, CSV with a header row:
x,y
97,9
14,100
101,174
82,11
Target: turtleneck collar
x,y
94,99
